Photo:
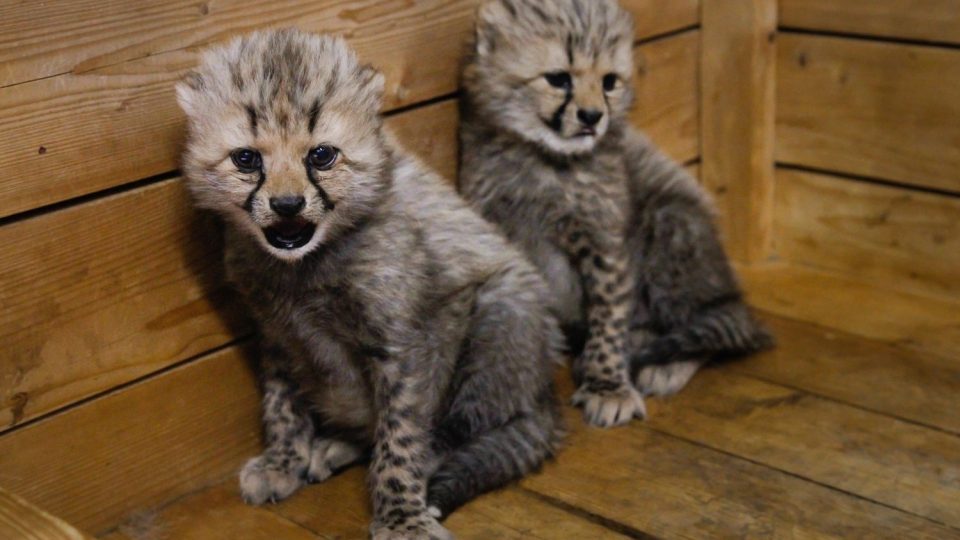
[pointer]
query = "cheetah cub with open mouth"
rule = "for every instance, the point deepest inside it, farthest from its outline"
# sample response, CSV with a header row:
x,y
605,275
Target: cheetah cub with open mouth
x,y
395,321
624,236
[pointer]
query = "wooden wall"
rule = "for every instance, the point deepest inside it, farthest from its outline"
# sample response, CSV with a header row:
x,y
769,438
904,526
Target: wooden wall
x,y
868,141
124,377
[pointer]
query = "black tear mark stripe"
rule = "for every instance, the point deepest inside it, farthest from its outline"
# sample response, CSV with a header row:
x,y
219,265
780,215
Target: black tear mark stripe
x,y
556,122
314,114
252,115
248,204
328,204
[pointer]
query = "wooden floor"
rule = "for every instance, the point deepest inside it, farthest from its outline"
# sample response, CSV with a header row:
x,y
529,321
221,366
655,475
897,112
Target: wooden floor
x,y
830,435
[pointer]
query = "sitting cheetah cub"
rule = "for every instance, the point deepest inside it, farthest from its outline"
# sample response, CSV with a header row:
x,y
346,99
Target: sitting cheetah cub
x,y
395,321
623,235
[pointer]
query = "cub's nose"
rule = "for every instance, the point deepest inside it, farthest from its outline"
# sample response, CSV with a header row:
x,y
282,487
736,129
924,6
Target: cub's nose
x,y
288,205
589,117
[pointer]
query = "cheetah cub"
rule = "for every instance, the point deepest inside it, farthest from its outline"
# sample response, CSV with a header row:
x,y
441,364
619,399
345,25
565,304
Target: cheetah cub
x,y
395,321
624,236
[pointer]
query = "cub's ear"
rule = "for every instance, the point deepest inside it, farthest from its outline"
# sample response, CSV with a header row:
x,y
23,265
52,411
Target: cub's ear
x,y
491,16
371,86
188,90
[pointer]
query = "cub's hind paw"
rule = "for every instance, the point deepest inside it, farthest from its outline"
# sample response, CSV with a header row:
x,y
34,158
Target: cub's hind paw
x,y
423,527
263,481
667,379
607,407
327,456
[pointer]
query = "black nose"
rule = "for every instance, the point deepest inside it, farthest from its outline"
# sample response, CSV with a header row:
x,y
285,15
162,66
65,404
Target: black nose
x,y
287,206
589,117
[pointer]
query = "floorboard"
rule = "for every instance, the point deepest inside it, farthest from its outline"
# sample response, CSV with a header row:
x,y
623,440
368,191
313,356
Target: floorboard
x,y
831,435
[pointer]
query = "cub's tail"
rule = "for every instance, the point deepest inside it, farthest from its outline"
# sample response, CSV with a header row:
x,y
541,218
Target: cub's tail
x,y
726,330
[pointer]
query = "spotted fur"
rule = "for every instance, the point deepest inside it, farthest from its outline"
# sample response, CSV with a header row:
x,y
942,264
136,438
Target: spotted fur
x,y
404,328
624,236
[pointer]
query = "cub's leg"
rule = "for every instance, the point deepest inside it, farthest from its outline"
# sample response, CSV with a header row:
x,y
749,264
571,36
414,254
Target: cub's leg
x,y
503,420
606,393
402,457
288,431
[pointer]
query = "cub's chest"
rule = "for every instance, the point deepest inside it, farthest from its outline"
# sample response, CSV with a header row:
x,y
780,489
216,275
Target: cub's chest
x,y
595,195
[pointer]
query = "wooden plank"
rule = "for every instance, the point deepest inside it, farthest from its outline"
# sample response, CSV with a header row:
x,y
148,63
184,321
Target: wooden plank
x,y
74,134
667,106
339,508
104,292
737,83
416,42
63,36
846,303
892,237
925,20
138,446
655,17
894,381
105,114
20,520
902,465
431,133
216,513
881,110
101,293
77,133
665,487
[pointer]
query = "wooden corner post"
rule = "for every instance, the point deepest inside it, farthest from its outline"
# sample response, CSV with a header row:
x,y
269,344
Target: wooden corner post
x,y
737,120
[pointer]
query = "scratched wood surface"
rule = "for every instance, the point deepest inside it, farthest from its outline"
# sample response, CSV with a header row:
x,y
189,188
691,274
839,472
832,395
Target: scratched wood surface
x,y
788,443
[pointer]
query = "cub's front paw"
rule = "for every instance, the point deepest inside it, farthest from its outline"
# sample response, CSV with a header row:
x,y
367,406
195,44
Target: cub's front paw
x,y
607,404
421,527
262,480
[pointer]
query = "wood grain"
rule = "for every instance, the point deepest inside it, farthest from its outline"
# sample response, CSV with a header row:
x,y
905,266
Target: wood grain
x,y
655,17
737,82
662,486
881,110
890,380
846,303
415,41
667,106
215,513
891,237
103,292
106,114
39,40
904,466
78,133
138,446
339,508
20,520
926,20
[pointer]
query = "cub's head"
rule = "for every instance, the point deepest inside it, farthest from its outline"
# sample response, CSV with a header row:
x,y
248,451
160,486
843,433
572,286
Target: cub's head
x,y
553,72
285,138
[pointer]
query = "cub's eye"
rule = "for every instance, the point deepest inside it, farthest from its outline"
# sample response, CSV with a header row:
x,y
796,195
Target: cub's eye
x,y
609,82
559,79
322,157
246,160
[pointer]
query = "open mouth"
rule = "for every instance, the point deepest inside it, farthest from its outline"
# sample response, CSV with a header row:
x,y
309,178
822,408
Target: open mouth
x,y
290,233
587,132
